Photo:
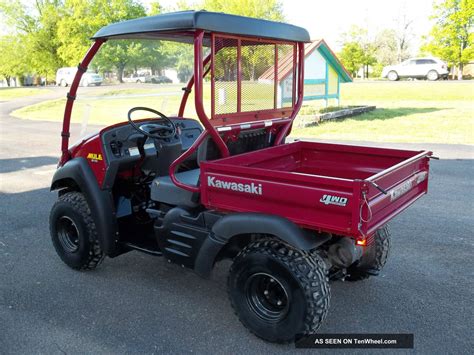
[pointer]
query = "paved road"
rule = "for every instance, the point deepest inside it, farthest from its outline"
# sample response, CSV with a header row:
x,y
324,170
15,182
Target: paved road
x,y
140,304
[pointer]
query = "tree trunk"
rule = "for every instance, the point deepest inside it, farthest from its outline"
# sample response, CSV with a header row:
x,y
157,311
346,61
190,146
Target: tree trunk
x,y
7,79
461,65
453,73
120,70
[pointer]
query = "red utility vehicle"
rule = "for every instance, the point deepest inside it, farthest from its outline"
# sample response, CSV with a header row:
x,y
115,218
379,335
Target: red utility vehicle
x,y
291,216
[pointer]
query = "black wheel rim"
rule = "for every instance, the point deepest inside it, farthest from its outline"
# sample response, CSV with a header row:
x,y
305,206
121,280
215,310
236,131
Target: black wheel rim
x,y
68,234
267,297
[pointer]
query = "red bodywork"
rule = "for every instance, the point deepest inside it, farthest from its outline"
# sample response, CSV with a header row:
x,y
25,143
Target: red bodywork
x,y
341,189
294,181
91,149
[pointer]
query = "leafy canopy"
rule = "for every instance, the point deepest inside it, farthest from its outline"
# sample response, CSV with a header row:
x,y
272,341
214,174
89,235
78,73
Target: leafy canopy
x,y
452,36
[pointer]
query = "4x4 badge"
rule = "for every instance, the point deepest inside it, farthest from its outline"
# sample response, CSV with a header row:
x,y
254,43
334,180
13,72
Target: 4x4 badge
x,y
334,200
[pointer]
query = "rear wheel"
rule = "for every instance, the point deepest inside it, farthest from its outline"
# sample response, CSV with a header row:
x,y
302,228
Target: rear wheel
x,y
374,258
277,291
392,76
432,75
63,83
73,232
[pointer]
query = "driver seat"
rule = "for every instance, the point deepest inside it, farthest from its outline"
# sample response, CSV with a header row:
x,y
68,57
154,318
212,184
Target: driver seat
x,y
164,190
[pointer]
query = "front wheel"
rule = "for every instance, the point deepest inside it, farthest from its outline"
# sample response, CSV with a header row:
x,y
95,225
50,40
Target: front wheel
x,y
278,292
432,75
73,232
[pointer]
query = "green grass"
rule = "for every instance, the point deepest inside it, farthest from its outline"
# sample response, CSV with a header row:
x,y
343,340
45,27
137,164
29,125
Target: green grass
x,y
437,112
14,93
109,106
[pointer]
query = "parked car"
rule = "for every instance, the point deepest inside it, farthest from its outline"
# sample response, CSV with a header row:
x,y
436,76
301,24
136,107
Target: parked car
x,y
162,79
65,76
138,78
429,68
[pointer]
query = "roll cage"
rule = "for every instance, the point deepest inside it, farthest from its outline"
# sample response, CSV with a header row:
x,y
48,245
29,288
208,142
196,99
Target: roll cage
x,y
226,34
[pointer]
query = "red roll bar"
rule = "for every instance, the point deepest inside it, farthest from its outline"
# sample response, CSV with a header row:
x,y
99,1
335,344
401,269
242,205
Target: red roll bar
x,y
198,95
71,96
182,158
286,129
188,88
197,80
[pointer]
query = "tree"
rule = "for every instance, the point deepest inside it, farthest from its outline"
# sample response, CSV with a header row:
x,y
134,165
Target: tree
x,y
386,50
263,9
403,35
255,59
12,60
357,40
85,17
352,56
36,27
452,38
387,47
182,58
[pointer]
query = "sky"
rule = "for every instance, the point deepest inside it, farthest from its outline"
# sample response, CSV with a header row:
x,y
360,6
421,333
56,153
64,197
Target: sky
x,y
329,19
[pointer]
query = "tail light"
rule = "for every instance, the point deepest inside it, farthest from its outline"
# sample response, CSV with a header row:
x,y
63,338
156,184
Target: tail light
x,y
361,242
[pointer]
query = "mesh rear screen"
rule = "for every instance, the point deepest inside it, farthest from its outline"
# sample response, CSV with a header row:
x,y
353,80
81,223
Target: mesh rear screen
x,y
225,76
258,91
285,72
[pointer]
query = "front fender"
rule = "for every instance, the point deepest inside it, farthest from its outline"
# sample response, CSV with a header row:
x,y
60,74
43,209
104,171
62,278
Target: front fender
x,y
100,202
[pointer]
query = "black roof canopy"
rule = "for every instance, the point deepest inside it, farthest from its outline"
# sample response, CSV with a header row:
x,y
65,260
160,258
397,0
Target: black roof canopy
x,y
179,27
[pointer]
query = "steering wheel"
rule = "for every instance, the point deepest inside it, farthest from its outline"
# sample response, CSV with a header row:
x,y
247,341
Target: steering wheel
x,y
152,128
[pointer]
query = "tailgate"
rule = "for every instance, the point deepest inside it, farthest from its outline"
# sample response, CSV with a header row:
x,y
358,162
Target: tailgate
x,y
391,191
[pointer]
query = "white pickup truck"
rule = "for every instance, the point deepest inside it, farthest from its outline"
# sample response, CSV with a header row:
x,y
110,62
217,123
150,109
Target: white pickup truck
x,y
65,76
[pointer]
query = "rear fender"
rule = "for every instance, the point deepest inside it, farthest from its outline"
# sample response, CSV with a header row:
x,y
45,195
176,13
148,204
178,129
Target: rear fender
x,y
252,223
78,173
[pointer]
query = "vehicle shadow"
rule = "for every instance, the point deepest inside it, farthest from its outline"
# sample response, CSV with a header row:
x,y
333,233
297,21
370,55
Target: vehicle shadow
x,y
17,164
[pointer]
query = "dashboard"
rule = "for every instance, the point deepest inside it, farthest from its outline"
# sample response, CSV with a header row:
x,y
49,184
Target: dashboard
x,y
121,143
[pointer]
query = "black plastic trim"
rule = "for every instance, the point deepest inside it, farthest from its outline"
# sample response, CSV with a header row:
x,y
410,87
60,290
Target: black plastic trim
x,y
81,68
100,201
70,97
258,223
251,223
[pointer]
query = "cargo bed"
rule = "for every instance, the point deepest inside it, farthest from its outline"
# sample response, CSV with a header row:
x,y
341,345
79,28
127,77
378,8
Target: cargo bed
x,y
341,189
